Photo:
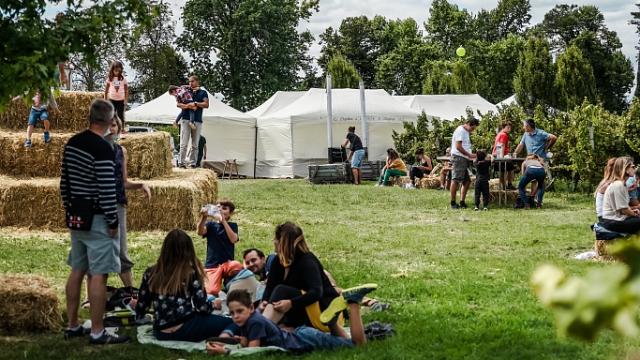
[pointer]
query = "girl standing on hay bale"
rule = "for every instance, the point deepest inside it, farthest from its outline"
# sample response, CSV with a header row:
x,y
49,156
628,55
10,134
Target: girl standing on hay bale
x,y
123,184
174,287
117,89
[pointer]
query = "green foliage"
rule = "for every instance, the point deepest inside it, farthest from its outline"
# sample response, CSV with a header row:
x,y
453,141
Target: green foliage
x,y
606,298
490,124
448,25
632,128
258,47
574,79
153,57
636,22
510,17
445,77
32,45
343,73
533,81
432,135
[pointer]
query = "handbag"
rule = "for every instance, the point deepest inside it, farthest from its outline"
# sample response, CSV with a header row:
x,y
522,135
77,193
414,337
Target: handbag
x,y
79,213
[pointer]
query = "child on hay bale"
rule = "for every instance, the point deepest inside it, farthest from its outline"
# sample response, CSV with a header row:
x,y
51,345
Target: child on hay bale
x,y
117,89
482,180
183,96
221,237
38,113
257,331
394,167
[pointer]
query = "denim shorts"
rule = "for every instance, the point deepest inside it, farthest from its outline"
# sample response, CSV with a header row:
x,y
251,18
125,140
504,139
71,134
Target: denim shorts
x,y
94,250
314,339
356,159
37,115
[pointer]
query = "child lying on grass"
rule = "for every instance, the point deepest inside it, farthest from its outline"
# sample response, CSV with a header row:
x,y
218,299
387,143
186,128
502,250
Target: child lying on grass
x,y
254,330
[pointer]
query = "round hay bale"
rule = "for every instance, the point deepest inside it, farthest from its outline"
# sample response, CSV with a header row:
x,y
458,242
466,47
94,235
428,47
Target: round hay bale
x,y
149,154
602,249
430,182
71,116
28,303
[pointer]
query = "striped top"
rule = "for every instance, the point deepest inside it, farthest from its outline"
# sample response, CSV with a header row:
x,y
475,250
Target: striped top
x,y
88,163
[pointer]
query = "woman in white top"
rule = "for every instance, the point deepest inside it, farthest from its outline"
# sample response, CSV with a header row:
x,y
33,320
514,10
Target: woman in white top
x,y
602,187
617,215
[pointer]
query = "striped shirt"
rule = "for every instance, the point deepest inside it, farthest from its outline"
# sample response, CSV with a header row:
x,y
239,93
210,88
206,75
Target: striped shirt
x,y
88,172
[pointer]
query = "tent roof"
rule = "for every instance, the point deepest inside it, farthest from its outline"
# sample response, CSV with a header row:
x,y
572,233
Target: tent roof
x,y
163,110
276,102
448,107
380,106
508,101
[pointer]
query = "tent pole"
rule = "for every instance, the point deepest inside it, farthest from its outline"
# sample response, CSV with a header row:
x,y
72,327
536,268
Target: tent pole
x,y
329,119
255,152
363,111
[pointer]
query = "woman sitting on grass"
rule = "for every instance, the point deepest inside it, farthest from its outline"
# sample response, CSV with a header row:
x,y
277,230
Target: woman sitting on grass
x,y
617,214
394,167
603,185
297,289
174,288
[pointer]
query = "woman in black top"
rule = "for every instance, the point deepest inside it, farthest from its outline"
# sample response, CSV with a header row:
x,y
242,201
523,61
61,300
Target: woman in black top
x,y
423,166
295,281
174,288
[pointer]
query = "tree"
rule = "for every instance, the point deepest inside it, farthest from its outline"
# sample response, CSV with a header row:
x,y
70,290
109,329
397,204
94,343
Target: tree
x,y
33,46
464,78
400,70
533,82
510,17
439,78
156,62
90,75
574,79
636,22
247,49
343,73
448,25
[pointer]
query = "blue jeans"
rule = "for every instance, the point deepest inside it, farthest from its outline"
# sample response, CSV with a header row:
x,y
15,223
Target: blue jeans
x,y
197,328
356,159
314,339
37,115
529,175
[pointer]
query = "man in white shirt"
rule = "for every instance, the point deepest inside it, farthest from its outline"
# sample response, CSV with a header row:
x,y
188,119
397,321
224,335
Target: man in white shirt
x,y
461,158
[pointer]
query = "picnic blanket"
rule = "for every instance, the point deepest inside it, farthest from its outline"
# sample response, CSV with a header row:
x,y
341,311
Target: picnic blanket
x,y
145,336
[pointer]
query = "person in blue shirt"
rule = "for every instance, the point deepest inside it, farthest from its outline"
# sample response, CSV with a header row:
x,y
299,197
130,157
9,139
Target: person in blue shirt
x,y
536,141
200,102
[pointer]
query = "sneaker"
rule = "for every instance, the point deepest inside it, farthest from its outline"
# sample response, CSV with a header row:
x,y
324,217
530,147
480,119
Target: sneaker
x,y
356,294
485,209
379,306
27,143
192,126
77,332
108,338
47,137
463,205
475,208
454,205
331,313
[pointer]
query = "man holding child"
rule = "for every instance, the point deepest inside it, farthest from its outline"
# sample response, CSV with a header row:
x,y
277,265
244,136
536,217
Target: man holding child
x,y
200,101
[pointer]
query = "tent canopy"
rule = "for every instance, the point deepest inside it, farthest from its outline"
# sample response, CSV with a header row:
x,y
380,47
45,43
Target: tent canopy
x,y
448,107
229,133
279,100
296,135
508,101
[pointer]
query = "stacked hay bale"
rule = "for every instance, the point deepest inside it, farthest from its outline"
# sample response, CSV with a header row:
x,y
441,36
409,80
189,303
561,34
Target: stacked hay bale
x,y
430,182
30,178
29,304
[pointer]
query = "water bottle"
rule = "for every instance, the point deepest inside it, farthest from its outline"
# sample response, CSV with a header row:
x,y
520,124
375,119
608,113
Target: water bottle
x,y
499,151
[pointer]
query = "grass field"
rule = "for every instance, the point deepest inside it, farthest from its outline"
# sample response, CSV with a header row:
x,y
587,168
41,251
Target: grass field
x,y
457,281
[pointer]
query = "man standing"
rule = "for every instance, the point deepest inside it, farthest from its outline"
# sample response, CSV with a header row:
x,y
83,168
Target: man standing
x,y
202,151
536,141
461,157
506,169
356,154
200,101
88,190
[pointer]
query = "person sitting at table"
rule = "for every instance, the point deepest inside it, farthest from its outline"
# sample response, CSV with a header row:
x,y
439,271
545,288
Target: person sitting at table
x,y
423,166
394,167
617,215
505,169
532,169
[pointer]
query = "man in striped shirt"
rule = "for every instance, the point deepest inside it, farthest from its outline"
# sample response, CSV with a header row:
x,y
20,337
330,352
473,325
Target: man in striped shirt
x,y
88,174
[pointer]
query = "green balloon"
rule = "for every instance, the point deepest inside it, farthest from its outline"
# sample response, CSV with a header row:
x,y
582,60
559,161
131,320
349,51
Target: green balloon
x,y
461,51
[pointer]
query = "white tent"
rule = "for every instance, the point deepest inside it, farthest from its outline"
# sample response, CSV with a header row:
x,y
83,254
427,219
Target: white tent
x,y
276,102
508,101
448,107
230,134
296,135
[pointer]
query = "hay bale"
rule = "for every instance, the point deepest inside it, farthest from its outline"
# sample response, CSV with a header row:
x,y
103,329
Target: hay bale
x,y
149,155
71,117
28,304
512,195
401,181
602,247
430,182
494,184
176,200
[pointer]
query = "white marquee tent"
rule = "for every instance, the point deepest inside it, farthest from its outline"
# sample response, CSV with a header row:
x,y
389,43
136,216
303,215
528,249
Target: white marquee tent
x,y
276,102
508,101
230,134
448,107
296,135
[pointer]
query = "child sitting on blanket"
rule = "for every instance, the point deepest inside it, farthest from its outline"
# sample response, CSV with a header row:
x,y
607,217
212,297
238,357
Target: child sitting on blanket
x,y
183,96
221,235
255,330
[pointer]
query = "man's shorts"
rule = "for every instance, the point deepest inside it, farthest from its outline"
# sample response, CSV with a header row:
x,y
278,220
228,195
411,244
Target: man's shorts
x,y
95,251
460,171
37,115
500,166
356,159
